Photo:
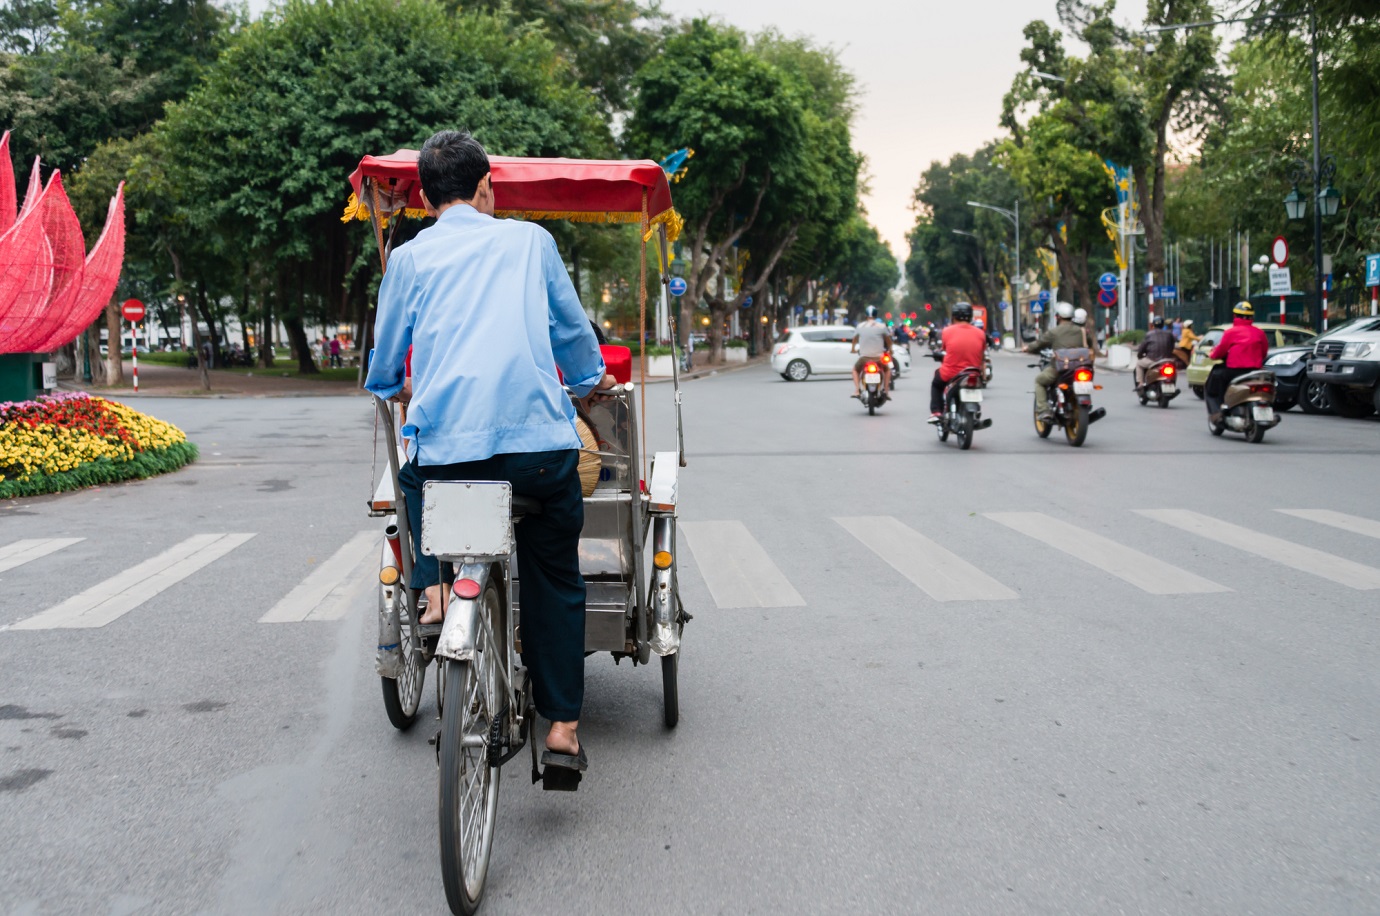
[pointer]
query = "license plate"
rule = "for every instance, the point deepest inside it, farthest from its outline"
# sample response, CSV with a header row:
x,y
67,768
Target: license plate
x,y
873,378
1082,387
969,395
1167,386
1263,414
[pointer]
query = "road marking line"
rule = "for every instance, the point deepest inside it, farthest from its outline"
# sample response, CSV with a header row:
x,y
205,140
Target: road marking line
x,y
736,568
21,552
123,592
940,573
1140,569
325,592
1278,550
1353,523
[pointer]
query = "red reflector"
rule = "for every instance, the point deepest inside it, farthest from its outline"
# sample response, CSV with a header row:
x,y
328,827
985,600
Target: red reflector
x,y
1083,375
466,588
1167,371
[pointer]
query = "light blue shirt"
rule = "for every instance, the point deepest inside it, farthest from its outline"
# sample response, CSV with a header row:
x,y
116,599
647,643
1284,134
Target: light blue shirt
x,y
490,312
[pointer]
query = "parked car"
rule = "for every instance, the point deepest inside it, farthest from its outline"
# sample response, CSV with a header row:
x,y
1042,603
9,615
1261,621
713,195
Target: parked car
x,y
1278,335
825,350
1347,360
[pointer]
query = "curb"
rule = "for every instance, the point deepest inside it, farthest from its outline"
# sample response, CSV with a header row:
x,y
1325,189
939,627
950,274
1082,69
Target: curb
x,y
708,371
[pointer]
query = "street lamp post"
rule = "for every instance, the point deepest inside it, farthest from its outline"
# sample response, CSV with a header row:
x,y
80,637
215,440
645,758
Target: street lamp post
x,y
1015,217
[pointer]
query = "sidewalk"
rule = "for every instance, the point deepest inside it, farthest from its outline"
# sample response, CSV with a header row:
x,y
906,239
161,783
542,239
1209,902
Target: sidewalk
x,y
161,381
705,371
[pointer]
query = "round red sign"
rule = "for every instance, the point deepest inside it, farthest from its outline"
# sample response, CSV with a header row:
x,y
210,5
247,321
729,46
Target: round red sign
x,y
1279,251
132,309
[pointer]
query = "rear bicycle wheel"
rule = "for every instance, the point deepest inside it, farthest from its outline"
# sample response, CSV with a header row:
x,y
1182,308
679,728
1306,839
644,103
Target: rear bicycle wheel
x,y
670,688
468,797
402,695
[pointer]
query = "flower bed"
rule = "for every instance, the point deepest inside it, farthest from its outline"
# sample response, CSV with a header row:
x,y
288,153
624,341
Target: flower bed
x,y
68,441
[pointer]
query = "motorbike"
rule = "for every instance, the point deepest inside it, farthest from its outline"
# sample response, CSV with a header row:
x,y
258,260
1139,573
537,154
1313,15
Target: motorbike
x,y
874,393
962,409
1161,384
1070,397
1248,406
986,368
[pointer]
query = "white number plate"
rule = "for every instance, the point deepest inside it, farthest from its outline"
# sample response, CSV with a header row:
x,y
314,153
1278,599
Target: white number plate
x,y
1167,385
873,378
1082,387
970,395
1263,414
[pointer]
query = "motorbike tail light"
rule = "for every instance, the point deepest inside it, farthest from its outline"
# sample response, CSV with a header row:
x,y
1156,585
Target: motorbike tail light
x,y
1167,371
1083,375
466,588
972,381
870,367
1262,389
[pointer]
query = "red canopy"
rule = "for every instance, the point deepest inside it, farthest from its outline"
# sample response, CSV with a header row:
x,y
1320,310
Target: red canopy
x,y
583,190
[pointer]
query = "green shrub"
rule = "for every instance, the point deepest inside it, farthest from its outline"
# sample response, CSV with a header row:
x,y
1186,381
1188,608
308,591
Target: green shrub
x,y
102,471
1127,337
736,344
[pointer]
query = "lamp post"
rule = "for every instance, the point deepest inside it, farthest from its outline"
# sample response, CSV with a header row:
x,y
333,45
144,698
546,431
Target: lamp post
x,y
182,320
1325,199
1015,217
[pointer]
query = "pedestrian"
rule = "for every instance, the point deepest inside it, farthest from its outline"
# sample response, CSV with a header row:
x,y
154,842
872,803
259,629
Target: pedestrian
x,y
1178,327
335,353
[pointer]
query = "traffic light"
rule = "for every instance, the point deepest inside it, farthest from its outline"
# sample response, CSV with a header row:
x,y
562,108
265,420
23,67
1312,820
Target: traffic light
x,y
928,306
888,316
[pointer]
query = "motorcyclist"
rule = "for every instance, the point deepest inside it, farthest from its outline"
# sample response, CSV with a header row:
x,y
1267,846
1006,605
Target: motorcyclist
x,y
964,348
870,341
1065,335
1157,345
1080,318
932,335
1242,349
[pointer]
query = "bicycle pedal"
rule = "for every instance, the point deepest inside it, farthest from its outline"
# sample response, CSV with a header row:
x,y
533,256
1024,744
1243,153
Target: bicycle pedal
x,y
560,779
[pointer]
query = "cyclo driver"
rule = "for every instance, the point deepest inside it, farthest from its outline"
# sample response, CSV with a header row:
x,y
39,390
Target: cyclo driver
x,y
1065,335
964,348
870,341
490,313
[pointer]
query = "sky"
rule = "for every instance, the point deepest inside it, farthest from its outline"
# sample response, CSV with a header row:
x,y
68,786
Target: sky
x,y
932,76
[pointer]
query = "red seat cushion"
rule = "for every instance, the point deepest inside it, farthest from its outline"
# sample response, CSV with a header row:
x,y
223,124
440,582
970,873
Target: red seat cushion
x,y
618,361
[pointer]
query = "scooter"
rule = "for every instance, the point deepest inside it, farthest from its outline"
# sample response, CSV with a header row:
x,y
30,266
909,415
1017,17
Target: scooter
x,y
1248,406
1070,397
1160,385
874,393
962,409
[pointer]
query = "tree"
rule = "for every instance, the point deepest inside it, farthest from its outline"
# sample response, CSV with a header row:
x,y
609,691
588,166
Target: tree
x,y
267,140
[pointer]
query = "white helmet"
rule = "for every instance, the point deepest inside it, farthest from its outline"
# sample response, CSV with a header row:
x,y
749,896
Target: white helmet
x,y
1080,316
1063,310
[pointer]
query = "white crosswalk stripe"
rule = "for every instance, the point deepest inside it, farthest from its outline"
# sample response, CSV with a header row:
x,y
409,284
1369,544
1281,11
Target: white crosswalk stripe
x,y
1295,556
109,600
939,572
1140,569
1353,523
327,592
21,552
736,568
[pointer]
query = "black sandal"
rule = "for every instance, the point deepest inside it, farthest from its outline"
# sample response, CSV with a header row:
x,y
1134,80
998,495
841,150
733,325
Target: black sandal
x,y
562,772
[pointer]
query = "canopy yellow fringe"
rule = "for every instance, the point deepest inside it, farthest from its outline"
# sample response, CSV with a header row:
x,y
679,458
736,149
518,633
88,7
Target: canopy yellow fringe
x,y
355,210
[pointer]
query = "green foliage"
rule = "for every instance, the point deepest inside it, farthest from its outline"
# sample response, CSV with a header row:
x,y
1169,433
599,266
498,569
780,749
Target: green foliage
x,y
102,471
1133,336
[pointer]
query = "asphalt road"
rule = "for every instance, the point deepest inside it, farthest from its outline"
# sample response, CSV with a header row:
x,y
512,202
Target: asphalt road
x,y
1024,678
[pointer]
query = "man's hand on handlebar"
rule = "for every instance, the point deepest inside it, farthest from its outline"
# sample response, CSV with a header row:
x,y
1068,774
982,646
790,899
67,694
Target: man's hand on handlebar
x,y
607,383
405,395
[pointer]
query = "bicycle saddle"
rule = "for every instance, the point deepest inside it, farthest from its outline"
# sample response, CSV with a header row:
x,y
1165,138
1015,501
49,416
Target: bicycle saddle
x,y
525,505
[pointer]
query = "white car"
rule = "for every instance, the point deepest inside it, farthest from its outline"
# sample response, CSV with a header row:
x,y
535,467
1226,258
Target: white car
x,y
823,350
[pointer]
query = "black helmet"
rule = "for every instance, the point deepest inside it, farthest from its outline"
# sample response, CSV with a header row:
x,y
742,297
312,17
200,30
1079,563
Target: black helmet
x,y
963,312
1159,321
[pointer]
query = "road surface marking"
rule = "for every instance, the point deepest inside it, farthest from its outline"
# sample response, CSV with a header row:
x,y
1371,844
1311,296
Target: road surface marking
x,y
736,568
123,592
326,592
1140,569
940,573
21,552
1285,553
1353,523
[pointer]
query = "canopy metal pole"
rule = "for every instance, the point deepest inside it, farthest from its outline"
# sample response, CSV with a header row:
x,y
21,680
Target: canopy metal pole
x,y
663,270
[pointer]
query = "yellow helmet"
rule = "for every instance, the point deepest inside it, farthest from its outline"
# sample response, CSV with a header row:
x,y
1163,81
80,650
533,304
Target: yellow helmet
x,y
1244,309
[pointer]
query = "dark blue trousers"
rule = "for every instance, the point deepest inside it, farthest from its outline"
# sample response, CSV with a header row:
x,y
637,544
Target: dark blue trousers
x,y
548,555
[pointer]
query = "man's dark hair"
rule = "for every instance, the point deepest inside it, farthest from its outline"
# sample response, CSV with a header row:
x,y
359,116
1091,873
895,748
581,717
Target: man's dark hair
x,y
450,166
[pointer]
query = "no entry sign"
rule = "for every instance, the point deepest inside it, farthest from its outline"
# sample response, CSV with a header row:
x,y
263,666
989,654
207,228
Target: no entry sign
x,y
1279,251
133,310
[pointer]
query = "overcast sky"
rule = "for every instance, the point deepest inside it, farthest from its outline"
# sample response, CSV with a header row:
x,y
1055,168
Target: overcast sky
x,y
932,76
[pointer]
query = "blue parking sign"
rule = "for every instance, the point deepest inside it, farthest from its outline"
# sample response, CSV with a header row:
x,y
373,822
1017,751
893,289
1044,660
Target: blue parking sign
x,y
1373,270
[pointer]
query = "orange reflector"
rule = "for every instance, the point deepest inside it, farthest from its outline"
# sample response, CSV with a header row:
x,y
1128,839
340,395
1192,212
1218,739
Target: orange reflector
x,y
465,588
662,559
389,575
